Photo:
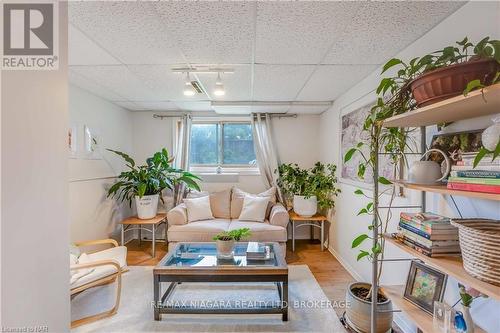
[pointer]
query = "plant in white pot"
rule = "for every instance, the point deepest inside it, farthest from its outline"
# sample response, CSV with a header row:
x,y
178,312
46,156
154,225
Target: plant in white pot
x,y
144,183
226,240
310,188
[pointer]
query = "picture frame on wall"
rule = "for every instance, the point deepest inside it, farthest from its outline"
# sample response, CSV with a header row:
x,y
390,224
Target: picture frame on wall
x,y
424,286
73,141
92,143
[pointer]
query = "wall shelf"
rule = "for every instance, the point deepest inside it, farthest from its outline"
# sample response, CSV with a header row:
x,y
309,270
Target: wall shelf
x,y
421,318
451,266
452,109
442,189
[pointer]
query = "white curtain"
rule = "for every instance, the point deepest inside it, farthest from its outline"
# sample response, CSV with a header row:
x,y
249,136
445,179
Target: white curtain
x,y
182,143
265,150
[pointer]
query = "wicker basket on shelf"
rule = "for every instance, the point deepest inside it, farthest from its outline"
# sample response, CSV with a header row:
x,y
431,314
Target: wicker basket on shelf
x,y
480,246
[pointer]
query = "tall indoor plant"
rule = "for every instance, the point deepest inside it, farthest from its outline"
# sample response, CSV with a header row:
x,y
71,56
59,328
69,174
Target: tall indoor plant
x,y
418,82
145,183
310,188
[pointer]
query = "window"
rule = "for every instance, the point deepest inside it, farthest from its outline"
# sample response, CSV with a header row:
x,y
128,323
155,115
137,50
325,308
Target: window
x,y
228,144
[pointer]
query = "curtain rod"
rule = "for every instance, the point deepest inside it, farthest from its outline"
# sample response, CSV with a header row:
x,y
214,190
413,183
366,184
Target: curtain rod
x,y
272,115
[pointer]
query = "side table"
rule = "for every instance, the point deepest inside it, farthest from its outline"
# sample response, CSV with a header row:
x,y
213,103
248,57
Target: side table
x,y
316,221
135,223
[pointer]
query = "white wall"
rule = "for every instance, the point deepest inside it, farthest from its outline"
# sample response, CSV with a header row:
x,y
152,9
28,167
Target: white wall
x,y
93,216
35,228
346,225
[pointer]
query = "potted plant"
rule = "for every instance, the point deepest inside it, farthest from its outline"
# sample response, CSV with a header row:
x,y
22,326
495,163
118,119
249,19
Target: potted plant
x,y
310,188
145,183
225,241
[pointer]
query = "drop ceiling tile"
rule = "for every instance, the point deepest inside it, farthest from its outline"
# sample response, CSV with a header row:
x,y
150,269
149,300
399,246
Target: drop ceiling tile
x,y
194,106
93,86
237,85
118,79
300,32
131,31
84,51
157,106
279,82
382,29
210,31
128,105
330,81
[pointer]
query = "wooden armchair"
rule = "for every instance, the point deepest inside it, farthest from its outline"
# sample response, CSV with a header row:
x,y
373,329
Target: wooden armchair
x,y
108,266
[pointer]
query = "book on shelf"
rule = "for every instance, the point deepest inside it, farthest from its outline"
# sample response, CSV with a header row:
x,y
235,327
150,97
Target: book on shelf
x,y
430,253
257,251
494,189
489,174
430,220
483,181
431,228
430,244
470,168
451,234
484,162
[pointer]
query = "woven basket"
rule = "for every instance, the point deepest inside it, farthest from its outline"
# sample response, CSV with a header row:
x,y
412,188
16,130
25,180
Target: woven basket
x,y
480,245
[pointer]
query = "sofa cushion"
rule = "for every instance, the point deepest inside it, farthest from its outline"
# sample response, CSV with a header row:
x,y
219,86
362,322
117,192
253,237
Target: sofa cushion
x,y
238,196
254,208
220,202
200,231
261,231
198,209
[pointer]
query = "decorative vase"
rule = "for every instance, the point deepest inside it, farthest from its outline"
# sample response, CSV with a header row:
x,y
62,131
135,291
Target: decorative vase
x,y
225,248
358,311
468,319
305,207
147,206
491,135
443,83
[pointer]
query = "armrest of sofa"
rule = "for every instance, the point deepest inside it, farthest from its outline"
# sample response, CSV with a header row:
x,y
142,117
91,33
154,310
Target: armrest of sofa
x,y
279,215
177,215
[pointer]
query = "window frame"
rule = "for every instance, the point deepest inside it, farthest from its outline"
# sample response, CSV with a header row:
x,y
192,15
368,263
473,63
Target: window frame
x,y
226,167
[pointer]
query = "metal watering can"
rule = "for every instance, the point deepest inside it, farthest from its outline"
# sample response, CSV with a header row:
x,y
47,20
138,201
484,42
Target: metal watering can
x,y
429,172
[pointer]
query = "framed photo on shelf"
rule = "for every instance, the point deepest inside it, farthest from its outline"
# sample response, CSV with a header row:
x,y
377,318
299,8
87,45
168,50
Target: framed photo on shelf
x,y
424,286
456,145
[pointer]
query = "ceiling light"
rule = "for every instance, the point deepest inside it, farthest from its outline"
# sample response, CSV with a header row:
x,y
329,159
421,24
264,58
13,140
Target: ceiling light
x,y
188,87
219,87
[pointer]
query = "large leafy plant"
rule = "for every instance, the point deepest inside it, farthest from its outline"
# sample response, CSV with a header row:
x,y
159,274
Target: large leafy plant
x,y
319,181
394,98
150,179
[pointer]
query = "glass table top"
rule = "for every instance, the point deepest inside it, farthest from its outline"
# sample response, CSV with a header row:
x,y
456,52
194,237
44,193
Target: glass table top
x,y
205,255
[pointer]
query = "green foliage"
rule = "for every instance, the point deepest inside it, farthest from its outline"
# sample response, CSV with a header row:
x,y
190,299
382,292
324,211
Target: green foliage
x,y
149,179
319,180
236,235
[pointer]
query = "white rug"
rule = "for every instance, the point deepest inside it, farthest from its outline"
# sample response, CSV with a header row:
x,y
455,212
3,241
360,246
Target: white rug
x,y
309,309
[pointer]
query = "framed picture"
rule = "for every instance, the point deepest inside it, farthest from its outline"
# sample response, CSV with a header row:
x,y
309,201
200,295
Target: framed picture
x,y
73,141
456,145
424,286
92,143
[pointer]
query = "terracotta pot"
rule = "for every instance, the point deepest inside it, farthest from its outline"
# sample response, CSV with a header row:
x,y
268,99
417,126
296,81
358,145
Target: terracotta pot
x,y
451,81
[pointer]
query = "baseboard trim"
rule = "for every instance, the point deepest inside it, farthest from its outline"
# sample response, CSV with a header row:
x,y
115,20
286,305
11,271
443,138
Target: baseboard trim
x,y
344,264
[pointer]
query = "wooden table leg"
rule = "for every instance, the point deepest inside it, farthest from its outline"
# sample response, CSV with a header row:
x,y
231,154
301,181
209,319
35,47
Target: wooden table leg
x,y
156,296
153,250
284,303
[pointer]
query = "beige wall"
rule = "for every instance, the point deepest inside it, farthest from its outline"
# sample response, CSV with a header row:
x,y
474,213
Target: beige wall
x,y
34,195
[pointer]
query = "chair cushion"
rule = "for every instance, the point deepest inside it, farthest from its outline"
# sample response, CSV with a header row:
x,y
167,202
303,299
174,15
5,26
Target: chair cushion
x,y
86,275
200,231
238,196
198,209
220,202
261,231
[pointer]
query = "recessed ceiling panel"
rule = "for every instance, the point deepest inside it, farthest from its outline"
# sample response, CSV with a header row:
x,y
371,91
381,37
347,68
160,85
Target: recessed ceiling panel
x,y
210,31
279,82
300,32
131,31
329,81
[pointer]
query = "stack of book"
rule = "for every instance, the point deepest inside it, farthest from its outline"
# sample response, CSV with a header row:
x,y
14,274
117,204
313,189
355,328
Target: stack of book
x,y
258,251
429,234
485,177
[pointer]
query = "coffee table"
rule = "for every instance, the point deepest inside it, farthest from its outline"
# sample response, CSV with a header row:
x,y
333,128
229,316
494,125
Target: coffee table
x,y
197,262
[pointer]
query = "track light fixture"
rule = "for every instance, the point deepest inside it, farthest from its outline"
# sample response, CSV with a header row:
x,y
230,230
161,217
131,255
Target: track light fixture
x,y
219,87
188,87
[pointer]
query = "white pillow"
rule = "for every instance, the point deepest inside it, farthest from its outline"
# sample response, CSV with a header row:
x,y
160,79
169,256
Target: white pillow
x,y
254,208
198,209
77,274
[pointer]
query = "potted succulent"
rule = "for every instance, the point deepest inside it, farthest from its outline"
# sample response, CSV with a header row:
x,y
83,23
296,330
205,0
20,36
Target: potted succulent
x,y
309,188
145,183
225,241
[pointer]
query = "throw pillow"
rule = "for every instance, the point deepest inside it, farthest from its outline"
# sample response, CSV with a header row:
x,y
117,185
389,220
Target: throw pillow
x,y
77,274
198,209
239,195
220,202
254,208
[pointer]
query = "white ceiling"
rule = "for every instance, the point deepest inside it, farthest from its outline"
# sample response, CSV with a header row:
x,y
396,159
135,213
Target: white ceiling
x,y
281,51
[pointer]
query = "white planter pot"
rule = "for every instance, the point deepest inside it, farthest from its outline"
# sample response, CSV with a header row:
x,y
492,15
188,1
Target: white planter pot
x,y
147,206
305,207
225,248
358,311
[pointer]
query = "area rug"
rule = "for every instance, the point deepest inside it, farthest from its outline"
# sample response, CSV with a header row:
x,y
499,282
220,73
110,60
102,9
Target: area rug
x,y
309,308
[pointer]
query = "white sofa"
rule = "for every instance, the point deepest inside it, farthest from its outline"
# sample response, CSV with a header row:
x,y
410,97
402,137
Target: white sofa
x,y
226,207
